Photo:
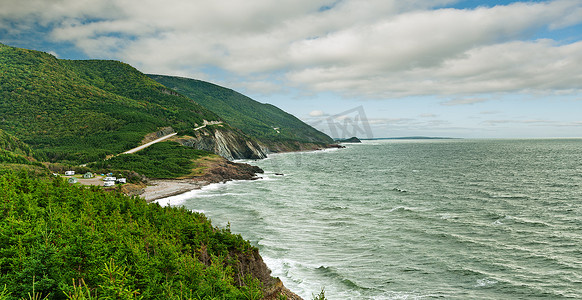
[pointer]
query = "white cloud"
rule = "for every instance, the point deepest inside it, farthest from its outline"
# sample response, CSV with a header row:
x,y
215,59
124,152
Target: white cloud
x,y
376,48
53,53
316,113
463,101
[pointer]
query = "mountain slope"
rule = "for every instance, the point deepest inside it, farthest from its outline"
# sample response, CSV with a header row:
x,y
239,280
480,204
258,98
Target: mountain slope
x,y
16,155
82,111
267,123
14,145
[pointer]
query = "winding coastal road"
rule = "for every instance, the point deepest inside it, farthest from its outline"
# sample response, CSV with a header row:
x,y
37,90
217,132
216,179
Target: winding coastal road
x,y
165,137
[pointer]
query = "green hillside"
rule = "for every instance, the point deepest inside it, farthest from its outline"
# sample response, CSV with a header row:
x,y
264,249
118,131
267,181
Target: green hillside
x,y
81,111
65,242
13,144
253,118
16,156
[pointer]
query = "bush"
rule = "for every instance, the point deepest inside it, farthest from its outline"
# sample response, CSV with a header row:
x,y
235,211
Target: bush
x,y
69,242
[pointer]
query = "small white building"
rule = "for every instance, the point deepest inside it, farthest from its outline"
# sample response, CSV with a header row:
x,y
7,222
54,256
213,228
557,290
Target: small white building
x,y
109,183
121,180
109,178
69,173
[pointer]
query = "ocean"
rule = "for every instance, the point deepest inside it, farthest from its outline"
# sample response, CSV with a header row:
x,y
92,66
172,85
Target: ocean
x,y
414,219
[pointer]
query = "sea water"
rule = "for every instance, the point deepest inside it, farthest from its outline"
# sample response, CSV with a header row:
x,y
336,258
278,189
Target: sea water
x,y
454,219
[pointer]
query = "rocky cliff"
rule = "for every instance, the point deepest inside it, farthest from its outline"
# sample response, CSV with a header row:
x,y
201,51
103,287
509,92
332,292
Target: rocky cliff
x,y
224,142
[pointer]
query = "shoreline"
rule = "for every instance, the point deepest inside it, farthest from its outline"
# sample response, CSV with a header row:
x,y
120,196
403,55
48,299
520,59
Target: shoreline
x,y
159,189
165,188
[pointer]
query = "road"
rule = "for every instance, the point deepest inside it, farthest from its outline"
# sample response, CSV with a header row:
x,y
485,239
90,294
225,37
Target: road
x,y
165,137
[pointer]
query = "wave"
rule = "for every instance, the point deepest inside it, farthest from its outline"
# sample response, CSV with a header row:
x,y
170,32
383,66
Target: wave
x,y
485,282
401,208
511,220
336,275
332,207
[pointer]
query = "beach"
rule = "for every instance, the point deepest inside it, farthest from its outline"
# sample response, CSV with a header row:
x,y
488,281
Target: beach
x,y
158,189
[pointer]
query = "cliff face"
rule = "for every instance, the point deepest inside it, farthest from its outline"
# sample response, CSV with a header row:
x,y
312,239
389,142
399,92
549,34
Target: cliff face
x,y
252,264
225,143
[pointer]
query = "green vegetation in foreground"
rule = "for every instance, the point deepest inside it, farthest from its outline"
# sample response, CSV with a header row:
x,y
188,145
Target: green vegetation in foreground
x,y
81,111
161,160
256,119
65,242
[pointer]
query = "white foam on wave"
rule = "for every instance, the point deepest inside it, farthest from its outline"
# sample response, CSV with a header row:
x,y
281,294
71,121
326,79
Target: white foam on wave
x,y
392,295
181,198
401,208
497,222
281,267
485,282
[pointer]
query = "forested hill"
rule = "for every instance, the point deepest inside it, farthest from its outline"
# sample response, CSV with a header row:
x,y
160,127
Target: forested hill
x,y
82,111
263,121
12,144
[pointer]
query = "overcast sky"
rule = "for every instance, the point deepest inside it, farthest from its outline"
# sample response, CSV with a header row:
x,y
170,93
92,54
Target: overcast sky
x,y
420,67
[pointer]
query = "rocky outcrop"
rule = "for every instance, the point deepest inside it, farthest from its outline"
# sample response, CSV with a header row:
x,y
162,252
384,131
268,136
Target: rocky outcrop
x,y
221,170
251,263
224,142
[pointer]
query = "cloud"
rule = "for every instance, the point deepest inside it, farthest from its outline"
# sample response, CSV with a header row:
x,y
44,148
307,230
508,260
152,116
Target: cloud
x,y
428,116
463,101
316,113
523,122
375,49
53,53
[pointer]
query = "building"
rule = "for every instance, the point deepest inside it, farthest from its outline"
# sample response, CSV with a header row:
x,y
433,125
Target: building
x,y
121,180
109,183
69,173
109,178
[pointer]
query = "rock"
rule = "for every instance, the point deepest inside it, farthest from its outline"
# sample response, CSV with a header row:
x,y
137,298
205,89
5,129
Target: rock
x,y
336,146
225,143
351,140
219,169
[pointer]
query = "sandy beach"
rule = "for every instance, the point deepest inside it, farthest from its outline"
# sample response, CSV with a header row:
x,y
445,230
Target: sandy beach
x,y
158,189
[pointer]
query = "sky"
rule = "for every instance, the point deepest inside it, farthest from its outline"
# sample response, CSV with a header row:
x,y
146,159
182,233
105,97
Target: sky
x,y
372,68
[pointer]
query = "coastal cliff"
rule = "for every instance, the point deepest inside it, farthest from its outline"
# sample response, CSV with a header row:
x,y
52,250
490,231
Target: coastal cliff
x,y
226,143
83,115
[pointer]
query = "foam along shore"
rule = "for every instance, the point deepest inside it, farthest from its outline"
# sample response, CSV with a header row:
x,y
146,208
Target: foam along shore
x,y
217,169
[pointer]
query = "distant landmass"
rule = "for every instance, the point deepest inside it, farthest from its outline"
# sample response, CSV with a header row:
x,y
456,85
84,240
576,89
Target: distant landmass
x,y
412,138
353,139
